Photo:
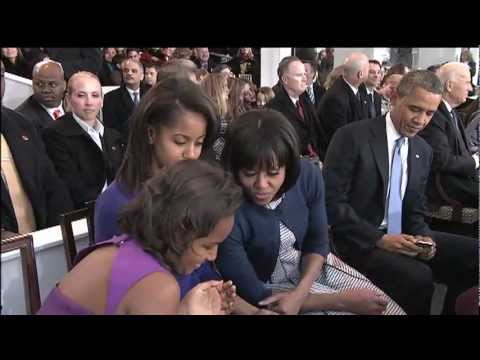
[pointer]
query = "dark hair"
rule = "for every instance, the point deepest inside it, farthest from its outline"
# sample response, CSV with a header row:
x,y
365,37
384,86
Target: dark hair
x,y
161,107
265,138
174,209
434,68
220,67
283,65
173,70
397,69
376,62
424,79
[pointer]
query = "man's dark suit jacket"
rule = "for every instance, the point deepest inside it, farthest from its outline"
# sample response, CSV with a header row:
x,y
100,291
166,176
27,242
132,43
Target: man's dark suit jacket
x,y
356,173
451,159
33,111
377,100
79,161
309,131
117,108
339,107
47,193
77,59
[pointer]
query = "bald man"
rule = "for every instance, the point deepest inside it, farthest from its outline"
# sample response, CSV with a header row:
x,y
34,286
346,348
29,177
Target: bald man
x,y
46,103
452,159
341,103
33,196
120,103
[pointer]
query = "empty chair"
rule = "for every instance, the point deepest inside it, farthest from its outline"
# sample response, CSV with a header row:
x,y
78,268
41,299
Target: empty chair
x,y
24,243
66,221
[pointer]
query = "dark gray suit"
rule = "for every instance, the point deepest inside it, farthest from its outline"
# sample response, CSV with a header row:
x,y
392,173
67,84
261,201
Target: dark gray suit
x,y
356,173
451,160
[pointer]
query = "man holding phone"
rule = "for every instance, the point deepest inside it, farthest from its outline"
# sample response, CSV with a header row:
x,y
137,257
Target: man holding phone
x,y
376,171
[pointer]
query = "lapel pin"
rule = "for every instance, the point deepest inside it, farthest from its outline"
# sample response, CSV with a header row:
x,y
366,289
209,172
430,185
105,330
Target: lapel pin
x,y
417,156
114,148
25,138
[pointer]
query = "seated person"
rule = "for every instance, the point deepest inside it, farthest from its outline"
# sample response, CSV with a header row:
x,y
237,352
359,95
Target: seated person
x,y
33,196
167,231
278,251
179,121
375,197
473,131
120,103
46,104
86,154
452,159
151,74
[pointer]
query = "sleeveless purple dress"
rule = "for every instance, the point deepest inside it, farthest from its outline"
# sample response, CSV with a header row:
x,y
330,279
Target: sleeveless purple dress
x,y
130,265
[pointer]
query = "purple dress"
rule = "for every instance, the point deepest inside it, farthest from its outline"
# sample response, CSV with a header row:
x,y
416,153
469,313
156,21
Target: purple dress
x,y
130,265
107,208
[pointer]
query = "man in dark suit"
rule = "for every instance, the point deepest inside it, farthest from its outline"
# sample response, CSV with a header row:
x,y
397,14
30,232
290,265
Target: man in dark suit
x,y
452,160
315,91
33,196
371,100
341,104
377,214
293,102
46,103
86,154
203,60
246,65
120,103
108,68
77,59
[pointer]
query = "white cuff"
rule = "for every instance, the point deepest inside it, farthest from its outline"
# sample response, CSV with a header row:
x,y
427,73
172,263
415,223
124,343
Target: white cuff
x,y
477,160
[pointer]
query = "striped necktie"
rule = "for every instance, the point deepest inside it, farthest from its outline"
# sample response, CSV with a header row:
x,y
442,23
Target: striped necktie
x,y
311,93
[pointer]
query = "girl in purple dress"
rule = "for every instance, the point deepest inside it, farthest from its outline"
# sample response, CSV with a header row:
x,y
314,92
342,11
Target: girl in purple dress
x,y
167,230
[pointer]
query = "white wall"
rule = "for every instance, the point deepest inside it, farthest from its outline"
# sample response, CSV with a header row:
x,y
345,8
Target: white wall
x,y
51,266
270,59
341,53
17,90
433,56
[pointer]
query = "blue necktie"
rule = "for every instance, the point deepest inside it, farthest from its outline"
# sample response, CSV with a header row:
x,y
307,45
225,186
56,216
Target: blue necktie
x,y
394,215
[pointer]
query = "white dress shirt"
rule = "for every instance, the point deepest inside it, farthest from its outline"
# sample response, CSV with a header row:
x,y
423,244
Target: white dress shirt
x,y
52,110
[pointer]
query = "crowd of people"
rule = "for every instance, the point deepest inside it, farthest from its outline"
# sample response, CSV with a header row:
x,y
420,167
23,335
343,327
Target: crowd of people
x,y
217,196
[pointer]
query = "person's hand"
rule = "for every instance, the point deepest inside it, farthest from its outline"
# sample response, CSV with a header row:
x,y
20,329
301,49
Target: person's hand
x,y
203,299
402,244
363,301
264,312
429,252
228,293
285,302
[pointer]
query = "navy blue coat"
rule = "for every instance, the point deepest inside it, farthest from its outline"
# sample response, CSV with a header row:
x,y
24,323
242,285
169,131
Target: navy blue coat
x,y
249,254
